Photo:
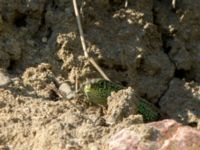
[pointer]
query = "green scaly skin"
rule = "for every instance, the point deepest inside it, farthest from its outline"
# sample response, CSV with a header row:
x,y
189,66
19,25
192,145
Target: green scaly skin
x,y
99,91
148,110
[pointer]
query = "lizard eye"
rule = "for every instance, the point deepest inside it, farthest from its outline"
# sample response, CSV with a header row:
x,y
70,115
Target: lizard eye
x,y
102,84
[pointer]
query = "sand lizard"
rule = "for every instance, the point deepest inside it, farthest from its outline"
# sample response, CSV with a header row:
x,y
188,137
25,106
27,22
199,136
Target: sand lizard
x,y
98,92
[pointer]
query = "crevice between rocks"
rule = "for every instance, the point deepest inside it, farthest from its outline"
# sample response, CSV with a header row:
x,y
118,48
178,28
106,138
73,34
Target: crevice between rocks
x,y
165,37
42,20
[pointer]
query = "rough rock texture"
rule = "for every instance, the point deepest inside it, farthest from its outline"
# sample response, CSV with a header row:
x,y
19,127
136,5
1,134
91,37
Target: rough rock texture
x,y
10,50
181,34
4,78
18,23
131,45
147,45
143,65
182,102
40,79
162,135
33,123
29,122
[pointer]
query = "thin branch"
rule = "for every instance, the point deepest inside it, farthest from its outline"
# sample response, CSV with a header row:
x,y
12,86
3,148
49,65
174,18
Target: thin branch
x,y
126,4
91,60
174,4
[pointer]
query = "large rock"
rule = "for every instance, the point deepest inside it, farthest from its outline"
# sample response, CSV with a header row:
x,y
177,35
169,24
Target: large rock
x,y
181,34
125,43
182,102
163,135
18,21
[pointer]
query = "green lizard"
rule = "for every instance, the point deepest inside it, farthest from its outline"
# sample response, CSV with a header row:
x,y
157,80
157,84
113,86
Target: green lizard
x,y
98,92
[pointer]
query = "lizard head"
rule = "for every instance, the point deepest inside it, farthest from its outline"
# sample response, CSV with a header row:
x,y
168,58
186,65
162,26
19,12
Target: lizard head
x,y
98,91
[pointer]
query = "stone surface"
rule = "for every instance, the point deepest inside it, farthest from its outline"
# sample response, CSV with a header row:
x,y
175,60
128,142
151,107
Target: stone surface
x,y
4,79
41,79
144,46
144,66
182,102
66,90
162,135
181,34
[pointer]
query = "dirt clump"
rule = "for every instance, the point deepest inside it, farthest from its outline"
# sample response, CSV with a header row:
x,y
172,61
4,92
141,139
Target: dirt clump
x,y
40,79
121,105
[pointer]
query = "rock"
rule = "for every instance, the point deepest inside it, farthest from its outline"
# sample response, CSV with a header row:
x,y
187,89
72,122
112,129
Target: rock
x,y
4,79
138,61
182,102
121,104
10,50
13,48
162,135
40,79
66,90
182,42
4,59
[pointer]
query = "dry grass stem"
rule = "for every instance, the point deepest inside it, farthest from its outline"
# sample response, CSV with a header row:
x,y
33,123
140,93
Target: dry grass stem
x,y
84,45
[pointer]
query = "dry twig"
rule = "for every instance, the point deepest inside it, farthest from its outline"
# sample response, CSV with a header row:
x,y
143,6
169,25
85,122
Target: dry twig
x,y
91,60
126,4
173,4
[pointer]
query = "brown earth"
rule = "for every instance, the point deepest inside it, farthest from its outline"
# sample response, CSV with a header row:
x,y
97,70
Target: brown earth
x,y
150,45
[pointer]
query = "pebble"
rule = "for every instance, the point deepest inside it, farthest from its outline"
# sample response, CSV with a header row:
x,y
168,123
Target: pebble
x,y
4,79
66,90
44,39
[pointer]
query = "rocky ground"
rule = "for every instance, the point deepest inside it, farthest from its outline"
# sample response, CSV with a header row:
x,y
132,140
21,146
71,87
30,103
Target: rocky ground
x,y
150,46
